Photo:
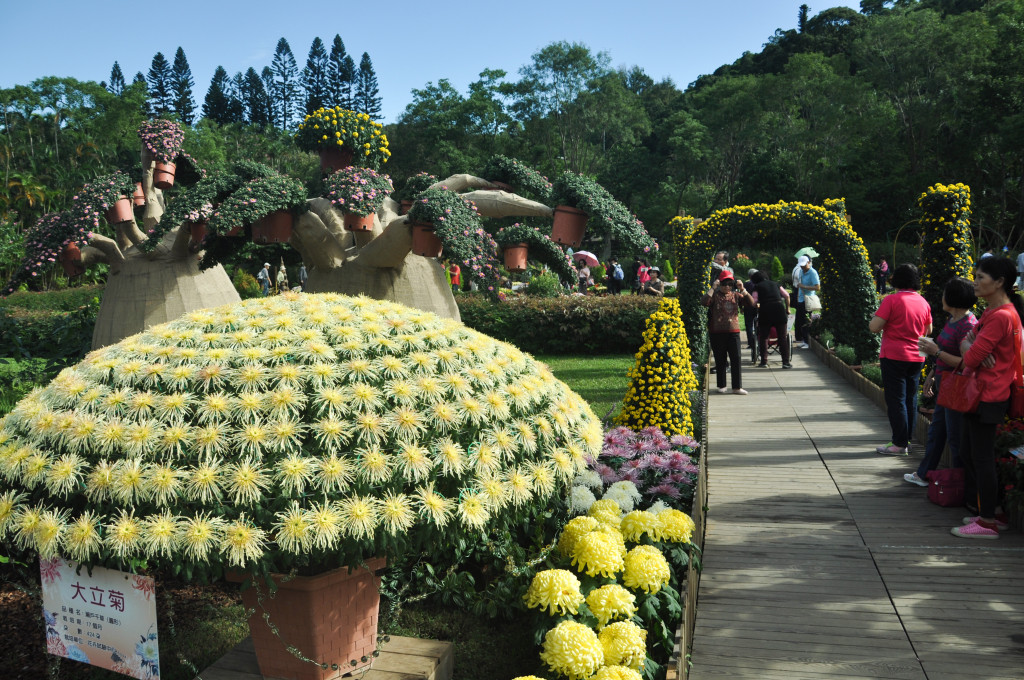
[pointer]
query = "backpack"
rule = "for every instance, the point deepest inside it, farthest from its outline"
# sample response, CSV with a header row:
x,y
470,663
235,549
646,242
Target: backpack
x,y
617,274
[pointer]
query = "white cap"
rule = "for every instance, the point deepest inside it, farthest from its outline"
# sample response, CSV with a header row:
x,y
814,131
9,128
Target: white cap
x,y
802,261
266,264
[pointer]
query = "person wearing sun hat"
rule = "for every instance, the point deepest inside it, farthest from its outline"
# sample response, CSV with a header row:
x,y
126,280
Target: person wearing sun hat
x,y
264,279
806,282
655,286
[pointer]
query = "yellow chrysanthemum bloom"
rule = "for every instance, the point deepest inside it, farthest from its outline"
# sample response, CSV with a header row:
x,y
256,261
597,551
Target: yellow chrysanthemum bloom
x,y
675,526
573,650
82,539
555,590
293,530
617,673
637,523
573,531
624,644
597,553
607,511
645,569
611,602
242,542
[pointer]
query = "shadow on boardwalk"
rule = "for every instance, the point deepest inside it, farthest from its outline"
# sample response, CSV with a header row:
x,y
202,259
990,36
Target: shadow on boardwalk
x,y
821,562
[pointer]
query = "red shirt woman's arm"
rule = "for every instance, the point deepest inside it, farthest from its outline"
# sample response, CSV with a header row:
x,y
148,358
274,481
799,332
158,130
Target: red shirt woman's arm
x,y
996,329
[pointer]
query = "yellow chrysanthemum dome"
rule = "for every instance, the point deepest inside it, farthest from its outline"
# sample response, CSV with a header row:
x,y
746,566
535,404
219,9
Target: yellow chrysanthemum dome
x,y
624,644
574,529
617,673
598,552
611,602
675,526
282,427
573,650
637,523
606,510
556,590
645,568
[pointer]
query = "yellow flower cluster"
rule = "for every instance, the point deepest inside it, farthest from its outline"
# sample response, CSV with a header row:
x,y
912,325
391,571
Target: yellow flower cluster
x,y
624,644
368,418
611,602
675,526
645,569
948,247
556,590
573,650
341,128
662,379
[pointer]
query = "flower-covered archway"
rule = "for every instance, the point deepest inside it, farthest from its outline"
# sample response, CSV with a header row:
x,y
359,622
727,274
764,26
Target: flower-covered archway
x,y
847,289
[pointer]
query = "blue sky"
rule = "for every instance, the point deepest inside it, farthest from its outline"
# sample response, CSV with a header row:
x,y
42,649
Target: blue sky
x,y
410,43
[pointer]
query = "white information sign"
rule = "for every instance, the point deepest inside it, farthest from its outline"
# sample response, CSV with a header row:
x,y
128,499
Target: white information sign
x,y
107,619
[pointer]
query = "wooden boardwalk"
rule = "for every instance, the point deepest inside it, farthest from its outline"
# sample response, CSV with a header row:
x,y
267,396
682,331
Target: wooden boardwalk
x,y
821,562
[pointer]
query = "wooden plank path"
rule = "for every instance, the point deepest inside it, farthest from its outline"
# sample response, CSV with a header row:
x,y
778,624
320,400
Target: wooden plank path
x,y
821,562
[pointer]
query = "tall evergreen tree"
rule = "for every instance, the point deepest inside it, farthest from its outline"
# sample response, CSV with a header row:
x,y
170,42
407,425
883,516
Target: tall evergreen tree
x,y
184,104
801,19
139,78
273,114
160,89
116,80
286,84
217,103
314,76
336,75
347,90
254,99
368,99
236,97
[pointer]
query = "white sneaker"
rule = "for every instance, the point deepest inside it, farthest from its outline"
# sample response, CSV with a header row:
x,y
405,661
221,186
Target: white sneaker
x,y
805,346
723,390
914,479
740,391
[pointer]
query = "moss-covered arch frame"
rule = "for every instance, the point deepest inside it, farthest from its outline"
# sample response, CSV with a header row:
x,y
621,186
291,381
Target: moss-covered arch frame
x,y
847,288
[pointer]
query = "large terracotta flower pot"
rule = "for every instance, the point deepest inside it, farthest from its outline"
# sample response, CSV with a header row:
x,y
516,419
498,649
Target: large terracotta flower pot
x,y
569,226
405,206
332,160
139,197
71,260
120,211
356,222
330,618
274,228
515,257
163,175
424,241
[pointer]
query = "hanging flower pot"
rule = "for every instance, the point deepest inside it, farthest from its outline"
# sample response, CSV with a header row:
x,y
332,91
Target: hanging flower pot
x,y
163,175
405,206
330,618
332,159
71,260
121,211
198,232
274,228
139,197
424,241
569,226
357,222
515,257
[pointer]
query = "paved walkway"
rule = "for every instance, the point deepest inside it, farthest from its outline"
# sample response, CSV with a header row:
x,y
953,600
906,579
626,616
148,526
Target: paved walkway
x,y
821,562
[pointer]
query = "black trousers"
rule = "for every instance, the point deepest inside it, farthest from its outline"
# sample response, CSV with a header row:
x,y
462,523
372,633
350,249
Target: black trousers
x,y
726,347
773,315
802,322
978,453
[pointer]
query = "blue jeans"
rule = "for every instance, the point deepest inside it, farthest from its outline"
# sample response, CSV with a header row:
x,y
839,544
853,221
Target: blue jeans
x,y
899,382
945,428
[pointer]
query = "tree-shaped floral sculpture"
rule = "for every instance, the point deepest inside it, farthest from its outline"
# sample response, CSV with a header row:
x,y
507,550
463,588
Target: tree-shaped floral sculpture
x,y
296,433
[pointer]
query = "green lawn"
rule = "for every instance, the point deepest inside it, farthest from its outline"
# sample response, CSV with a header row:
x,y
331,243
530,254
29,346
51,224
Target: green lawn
x,y
601,380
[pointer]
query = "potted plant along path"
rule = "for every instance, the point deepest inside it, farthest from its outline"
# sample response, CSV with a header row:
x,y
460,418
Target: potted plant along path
x,y
411,188
343,137
359,193
536,246
511,174
582,202
269,204
162,142
286,438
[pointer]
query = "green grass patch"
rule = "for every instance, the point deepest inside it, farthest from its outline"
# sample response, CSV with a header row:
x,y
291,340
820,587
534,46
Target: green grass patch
x,y
601,380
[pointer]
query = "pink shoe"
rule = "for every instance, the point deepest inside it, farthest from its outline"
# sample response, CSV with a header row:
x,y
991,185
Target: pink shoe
x,y
974,530
1001,523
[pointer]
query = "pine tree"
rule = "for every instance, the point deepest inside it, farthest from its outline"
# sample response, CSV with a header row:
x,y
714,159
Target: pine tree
x,y
159,80
286,84
273,115
314,76
367,98
336,73
184,104
254,99
116,80
236,98
346,92
217,103
139,78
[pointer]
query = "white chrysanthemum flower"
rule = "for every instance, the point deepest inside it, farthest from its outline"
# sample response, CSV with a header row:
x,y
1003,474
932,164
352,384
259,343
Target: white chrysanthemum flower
x,y
368,428
519,486
413,460
213,376
285,401
245,481
504,441
406,423
123,536
331,433
294,472
143,437
141,404
484,458
392,367
333,474
286,435
430,389
456,384
331,401
544,428
580,499
49,532
204,482
326,523
495,491
496,406
627,487
443,417
179,377
99,481
563,464
402,392
10,500
160,535
473,410
433,506
397,513
214,438
473,510
363,397
588,478
321,373
215,408
65,474
174,407
110,436
252,439
359,516
128,483
373,465
243,542
82,540
543,478
162,483
175,439
129,372
199,535
621,498
359,370
292,530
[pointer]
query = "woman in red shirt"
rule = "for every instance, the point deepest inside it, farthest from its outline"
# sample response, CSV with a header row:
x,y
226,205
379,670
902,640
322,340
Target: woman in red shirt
x,y
456,273
902,318
997,335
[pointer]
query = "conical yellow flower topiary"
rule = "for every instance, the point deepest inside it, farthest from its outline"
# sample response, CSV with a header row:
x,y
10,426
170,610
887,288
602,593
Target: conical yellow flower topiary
x,y
662,379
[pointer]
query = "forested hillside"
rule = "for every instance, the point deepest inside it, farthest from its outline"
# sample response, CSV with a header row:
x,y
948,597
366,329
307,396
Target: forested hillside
x,y
873,106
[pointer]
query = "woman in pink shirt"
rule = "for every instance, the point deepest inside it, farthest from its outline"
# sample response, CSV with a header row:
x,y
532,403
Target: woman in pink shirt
x,y
902,318
997,336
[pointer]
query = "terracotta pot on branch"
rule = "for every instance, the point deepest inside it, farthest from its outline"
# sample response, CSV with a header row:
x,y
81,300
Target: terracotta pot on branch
x,y
120,212
515,257
71,261
357,222
424,241
335,159
139,197
405,206
198,232
330,618
163,175
274,228
568,226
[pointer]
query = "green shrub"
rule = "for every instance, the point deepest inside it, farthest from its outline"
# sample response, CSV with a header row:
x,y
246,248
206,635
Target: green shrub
x,y
872,372
826,338
669,274
544,286
846,354
19,376
246,284
598,273
564,325
741,264
58,335
66,300
778,271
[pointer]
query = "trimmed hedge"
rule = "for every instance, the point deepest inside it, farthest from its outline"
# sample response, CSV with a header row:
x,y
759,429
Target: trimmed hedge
x,y
64,336
572,324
